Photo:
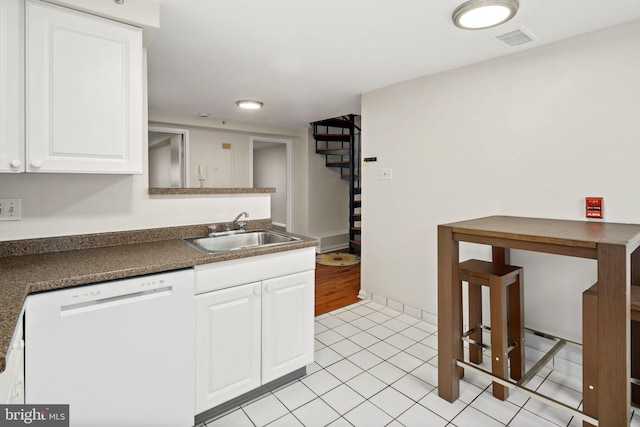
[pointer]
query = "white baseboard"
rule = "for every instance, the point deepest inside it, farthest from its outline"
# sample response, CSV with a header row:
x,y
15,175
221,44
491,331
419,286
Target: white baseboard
x,y
332,241
322,250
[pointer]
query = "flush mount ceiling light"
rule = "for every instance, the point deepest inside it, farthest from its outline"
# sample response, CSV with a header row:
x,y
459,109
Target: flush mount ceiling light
x,y
479,14
249,104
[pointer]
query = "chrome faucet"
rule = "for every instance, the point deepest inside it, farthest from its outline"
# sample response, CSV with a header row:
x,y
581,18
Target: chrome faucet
x,y
229,225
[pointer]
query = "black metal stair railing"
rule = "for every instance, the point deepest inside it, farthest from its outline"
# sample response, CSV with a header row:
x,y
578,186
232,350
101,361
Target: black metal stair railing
x,y
338,139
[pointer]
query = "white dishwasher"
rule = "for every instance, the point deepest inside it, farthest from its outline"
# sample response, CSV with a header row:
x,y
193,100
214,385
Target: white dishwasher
x,y
120,353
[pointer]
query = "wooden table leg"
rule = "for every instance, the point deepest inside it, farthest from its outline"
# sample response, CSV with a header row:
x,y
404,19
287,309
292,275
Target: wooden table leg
x,y
499,332
590,353
635,362
500,255
475,322
449,315
613,336
635,332
516,327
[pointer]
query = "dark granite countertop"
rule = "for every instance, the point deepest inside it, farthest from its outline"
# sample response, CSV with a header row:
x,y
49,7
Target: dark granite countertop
x,y
125,254
208,190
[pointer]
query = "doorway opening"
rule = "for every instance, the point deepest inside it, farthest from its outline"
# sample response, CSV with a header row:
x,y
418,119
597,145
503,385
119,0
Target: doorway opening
x,y
168,157
270,166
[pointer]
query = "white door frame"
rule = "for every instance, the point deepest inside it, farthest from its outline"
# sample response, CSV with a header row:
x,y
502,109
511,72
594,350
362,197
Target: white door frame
x,y
185,142
288,144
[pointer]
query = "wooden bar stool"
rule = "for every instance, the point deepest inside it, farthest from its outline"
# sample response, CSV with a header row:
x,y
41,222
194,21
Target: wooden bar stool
x,y
506,292
590,350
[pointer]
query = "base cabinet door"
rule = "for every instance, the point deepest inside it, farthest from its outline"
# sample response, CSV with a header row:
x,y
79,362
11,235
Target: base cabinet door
x,y
227,344
287,324
12,379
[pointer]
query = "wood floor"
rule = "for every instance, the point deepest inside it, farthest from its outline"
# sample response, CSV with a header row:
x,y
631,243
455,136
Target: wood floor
x,y
336,287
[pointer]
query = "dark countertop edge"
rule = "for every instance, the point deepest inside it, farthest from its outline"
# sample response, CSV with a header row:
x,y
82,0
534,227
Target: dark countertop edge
x,y
221,190
112,238
198,258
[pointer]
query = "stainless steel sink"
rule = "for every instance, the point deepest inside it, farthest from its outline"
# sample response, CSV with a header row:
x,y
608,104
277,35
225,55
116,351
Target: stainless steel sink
x,y
233,241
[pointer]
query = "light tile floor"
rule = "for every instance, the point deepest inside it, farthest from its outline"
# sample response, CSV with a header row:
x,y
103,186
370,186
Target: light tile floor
x,y
375,366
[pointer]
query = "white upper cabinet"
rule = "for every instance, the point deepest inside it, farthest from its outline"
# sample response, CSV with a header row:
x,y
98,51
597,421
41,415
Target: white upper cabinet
x,y
11,88
83,92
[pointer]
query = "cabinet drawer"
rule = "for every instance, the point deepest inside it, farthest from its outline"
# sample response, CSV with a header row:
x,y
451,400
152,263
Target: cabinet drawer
x,y
225,274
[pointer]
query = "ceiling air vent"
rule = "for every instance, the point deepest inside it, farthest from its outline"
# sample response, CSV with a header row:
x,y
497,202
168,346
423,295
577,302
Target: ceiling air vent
x,y
515,38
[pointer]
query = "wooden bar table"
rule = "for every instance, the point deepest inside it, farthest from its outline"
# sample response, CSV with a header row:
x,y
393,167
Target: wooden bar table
x,y
612,245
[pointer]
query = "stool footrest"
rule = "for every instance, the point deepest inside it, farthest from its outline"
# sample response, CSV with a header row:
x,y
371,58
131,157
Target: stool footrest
x,y
528,392
479,344
465,338
468,333
541,363
473,330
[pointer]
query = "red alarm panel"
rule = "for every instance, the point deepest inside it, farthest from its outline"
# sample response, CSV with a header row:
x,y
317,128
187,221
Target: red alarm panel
x,y
594,207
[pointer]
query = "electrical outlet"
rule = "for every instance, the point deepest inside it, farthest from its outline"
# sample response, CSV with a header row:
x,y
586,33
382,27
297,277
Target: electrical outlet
x,y
9,209
384,173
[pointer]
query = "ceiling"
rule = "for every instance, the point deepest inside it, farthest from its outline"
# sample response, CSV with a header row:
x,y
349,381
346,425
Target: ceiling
x,y
309,61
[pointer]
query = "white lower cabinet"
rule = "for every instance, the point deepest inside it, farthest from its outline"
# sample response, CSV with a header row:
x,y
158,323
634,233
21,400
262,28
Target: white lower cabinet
x,y
227,344
248,335
12,379
287,327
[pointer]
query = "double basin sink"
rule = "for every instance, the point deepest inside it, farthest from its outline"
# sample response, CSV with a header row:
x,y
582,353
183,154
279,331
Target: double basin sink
x,y
237,240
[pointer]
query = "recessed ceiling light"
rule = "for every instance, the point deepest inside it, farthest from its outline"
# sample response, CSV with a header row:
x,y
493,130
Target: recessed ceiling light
x,y
203,115
249,104
479,14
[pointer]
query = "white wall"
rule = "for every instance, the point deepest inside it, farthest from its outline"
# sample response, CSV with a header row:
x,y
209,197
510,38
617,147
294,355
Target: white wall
x,y
66,204
529,134
206,148
329,197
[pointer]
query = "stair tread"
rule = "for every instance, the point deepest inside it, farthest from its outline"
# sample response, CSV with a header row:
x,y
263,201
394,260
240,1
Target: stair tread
x,y
332,137
337,164
355,242
336,122
328,150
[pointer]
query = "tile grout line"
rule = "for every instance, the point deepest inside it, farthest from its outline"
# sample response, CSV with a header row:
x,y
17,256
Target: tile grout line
x,y
396,350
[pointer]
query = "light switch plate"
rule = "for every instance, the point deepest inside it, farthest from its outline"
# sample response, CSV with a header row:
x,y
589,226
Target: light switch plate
x,y
385,173
9,209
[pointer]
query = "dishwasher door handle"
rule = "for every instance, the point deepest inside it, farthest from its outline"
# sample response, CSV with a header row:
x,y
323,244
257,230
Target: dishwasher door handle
x,y
103,303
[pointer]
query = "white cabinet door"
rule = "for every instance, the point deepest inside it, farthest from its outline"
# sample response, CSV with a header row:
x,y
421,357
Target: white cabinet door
x,y
227,344
287,324
83,92
12,379
11,88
